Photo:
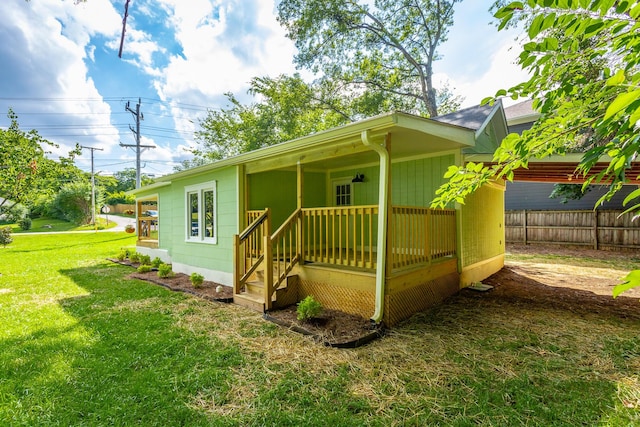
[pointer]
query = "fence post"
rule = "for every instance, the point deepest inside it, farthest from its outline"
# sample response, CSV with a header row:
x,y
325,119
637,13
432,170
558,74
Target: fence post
x,y
595,230
524,226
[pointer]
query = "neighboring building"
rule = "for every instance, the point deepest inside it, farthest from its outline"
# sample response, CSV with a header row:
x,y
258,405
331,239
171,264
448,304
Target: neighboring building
x,y
342,215
532,192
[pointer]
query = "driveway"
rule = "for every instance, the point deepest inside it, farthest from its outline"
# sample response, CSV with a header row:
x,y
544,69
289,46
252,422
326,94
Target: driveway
x,y
120,221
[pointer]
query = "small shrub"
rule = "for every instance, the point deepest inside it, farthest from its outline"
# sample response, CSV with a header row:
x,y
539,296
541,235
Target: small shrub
x,y
145,259
122,255
25,223
196,279
156,262
143,268
5,236
134,257
164,271
308,308
129,212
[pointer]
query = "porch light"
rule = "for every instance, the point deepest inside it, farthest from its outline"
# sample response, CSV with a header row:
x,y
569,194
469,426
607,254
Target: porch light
x,y
358,178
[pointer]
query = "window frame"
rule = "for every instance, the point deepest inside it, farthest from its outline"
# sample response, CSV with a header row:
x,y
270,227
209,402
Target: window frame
x,y
337,183
199,191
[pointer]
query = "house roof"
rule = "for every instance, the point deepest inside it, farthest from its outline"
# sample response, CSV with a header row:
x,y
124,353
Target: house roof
x,y
471,118
521,112
343,145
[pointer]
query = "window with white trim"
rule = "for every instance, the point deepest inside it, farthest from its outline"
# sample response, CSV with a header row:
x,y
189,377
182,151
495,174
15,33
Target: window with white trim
x,y
343,192
201,220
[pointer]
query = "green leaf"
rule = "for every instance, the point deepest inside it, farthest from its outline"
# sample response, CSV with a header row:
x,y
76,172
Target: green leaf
x,y
634,194
536,26
631,280
621,102
616,79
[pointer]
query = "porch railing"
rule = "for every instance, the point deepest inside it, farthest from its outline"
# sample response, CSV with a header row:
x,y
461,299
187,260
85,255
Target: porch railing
x,y
421,235
344,236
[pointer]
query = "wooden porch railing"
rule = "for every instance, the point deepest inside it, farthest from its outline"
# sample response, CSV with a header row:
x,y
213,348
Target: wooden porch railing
x,y
421,235
249,250
341,235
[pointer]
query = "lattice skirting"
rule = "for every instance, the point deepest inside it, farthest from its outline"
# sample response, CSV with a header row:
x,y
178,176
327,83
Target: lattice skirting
x,y
401,305
353,301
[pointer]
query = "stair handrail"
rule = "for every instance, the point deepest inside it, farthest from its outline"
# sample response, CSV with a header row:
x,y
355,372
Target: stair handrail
x,y
242,274
272,283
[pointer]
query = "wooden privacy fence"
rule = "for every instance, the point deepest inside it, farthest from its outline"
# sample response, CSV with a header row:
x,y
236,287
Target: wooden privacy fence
x,y
601,229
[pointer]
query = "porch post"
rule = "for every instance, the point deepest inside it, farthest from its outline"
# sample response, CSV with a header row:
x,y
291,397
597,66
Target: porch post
x,y
300,185
300,221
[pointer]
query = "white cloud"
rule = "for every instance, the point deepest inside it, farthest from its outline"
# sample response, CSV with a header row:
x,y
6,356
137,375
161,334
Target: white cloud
x,y
500,71
223,47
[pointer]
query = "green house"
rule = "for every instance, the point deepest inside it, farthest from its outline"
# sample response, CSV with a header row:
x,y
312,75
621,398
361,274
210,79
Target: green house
x,y
342,215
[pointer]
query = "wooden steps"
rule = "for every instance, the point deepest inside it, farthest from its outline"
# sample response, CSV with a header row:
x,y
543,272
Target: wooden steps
x,y
253,295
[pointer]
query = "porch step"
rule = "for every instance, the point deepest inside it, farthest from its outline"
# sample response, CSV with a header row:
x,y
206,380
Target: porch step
x,y
250,301
253,295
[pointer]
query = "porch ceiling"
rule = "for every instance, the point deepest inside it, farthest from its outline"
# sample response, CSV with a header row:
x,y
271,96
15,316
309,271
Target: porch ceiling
x,y
405,143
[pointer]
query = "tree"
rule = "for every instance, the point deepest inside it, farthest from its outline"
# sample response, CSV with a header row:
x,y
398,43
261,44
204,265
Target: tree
x,y
288,108
127,179
586,86
387,48
23,163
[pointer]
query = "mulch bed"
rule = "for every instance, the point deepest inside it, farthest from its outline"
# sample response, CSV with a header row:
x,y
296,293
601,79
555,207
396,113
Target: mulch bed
x,y
332,327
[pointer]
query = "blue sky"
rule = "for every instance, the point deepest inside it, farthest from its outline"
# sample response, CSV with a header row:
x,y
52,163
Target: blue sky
x,y
61,72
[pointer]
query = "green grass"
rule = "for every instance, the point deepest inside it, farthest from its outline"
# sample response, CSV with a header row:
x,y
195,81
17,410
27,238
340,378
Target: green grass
x,y
40,225
82,345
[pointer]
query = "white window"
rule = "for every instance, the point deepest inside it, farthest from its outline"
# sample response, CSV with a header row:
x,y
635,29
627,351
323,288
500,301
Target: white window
x,y
343,192
201,221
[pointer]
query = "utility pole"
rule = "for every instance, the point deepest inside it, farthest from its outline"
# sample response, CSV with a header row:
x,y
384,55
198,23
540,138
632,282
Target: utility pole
x,y
124,27
93,186
138,116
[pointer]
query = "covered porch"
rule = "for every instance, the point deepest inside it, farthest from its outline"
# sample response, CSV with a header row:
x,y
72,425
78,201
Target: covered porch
x,y
348,222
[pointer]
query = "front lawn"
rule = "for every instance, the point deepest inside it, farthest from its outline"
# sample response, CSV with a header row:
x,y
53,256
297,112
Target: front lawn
x,y
82,345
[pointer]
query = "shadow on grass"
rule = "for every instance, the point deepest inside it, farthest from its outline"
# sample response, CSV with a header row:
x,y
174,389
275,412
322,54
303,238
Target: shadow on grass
x,y
123,360
108,238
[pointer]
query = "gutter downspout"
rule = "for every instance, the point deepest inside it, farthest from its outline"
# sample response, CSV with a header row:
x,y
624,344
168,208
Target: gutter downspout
x,y
383,204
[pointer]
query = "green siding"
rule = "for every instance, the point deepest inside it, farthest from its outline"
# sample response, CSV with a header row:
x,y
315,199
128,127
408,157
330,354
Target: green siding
x,y
413,183
278,190
171,208
482,226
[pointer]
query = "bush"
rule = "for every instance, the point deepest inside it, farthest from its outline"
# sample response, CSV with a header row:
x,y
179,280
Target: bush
x,y
143,268
25,223
196,279
73,202
5,236
156,262
145,259
122,255
308,308
164,271
129,212
134,257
